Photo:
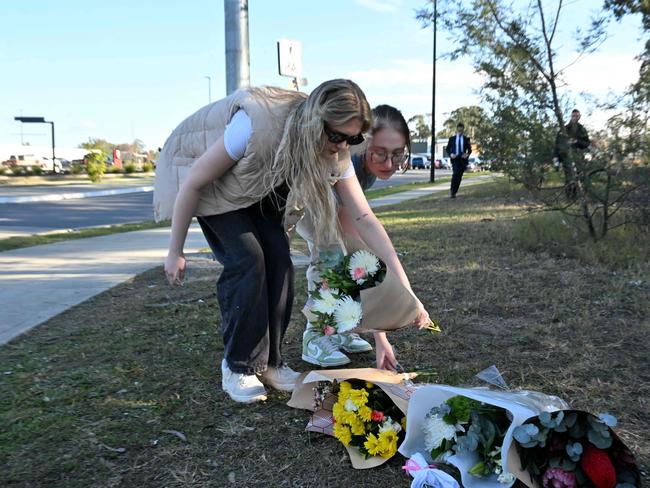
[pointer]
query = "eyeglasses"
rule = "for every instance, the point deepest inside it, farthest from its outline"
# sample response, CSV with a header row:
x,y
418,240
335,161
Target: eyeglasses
x,y
337,138
380,157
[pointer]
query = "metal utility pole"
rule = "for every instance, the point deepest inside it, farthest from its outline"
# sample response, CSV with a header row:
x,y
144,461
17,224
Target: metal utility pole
x,y
433,97
237,56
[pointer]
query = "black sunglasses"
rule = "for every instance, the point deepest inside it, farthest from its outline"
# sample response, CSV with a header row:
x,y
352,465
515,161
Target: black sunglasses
x,y
337,138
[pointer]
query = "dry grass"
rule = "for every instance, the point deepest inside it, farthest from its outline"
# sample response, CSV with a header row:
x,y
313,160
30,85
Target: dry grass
x,y
99,395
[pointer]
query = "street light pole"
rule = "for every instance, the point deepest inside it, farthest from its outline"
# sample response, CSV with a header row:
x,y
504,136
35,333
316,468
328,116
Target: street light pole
x,y
41,120
433,97
209,88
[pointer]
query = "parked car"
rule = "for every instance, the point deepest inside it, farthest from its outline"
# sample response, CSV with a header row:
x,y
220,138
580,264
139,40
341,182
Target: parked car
x,y
60,165
473,163
445,163
420,161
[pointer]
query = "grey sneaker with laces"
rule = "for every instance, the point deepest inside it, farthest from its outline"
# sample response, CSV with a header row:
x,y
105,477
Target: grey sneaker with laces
x,y
319,349
242,388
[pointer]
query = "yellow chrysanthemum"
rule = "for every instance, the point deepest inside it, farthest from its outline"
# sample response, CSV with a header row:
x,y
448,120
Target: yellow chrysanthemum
x,y
359,397
337,410
345,387
371,444
342,433
369,385
365,413
403,423
358,426
346,417
387,443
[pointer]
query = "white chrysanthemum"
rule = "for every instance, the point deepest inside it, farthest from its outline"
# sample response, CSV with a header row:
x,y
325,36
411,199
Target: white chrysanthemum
x,y
436,430
363,265
350,406
327,301
388,424
506,478
347,314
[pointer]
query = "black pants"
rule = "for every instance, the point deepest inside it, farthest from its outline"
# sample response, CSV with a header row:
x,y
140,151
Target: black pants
x,y
255,289
458,165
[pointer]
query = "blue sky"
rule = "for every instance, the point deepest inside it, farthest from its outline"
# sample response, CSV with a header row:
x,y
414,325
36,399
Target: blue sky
x,y
125,69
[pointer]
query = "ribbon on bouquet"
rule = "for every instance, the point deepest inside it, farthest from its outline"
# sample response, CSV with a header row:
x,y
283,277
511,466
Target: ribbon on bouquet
x,y
427,474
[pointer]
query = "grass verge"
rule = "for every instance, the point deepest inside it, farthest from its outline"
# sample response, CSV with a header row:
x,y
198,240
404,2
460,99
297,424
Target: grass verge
x,y
18,242
123,390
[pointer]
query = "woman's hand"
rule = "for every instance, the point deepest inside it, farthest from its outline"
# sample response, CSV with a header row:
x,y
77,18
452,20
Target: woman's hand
x,y
385,355
175,268
422,320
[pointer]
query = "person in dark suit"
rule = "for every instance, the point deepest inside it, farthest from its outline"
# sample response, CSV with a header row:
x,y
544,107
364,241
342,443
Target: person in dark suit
x,y
459,148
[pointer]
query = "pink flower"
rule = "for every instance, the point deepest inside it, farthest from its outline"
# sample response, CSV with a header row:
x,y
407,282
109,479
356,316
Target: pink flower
x,y
558,478
358,273
377,416
324,285
329,330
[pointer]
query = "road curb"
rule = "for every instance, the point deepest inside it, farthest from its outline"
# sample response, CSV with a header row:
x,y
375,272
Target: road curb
x,y
54,197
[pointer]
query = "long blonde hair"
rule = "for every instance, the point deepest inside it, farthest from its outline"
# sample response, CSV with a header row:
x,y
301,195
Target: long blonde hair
x,y
299,159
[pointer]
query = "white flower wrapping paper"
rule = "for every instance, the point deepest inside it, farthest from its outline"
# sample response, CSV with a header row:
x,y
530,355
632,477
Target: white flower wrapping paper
x,y
521,405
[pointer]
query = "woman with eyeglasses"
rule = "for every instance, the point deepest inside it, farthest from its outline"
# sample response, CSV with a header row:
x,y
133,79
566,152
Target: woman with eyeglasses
x,y
384,152
244,165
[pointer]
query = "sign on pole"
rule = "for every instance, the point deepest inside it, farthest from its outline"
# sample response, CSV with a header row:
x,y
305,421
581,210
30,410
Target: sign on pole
x,y
290,61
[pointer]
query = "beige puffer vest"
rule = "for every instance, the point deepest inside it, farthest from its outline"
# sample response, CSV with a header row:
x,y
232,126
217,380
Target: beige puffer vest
x,y
241,186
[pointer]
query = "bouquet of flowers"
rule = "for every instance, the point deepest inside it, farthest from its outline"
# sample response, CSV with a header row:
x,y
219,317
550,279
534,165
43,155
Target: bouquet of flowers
x,y
363,408
354,294
335,303
471,429
574,449
463,425
366,418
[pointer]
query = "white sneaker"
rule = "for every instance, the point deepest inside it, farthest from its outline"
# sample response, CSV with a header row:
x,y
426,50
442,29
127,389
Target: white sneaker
x,y
318,349
243,388
283,378
351,342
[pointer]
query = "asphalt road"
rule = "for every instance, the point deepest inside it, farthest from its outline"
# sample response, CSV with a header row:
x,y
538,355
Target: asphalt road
x,y
36,217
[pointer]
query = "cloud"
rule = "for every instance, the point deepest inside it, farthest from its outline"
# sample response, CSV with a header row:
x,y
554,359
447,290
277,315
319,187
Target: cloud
x,y
601,73
380,5
87,124
407,85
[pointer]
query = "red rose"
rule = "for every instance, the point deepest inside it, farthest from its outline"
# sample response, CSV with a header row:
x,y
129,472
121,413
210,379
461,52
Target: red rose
x,y
598,467
377,416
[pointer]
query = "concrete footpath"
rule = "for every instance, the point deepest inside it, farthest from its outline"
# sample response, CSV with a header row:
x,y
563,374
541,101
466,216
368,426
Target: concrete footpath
x,y
39,282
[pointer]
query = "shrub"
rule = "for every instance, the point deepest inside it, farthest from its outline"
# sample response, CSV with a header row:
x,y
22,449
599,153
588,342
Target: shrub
x,y
147,167
130,168
37,170
113,169
76,168
96,166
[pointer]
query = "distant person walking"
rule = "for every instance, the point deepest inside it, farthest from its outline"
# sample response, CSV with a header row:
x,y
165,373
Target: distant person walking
x,y
459,148
569,147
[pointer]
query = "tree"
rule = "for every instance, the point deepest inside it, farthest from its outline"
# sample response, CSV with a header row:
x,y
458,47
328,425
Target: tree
x,y
472,117
422,131
516,52
100,144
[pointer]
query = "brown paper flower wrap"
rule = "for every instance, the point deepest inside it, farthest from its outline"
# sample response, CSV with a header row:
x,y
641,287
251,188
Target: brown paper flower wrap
x,y
322,421
386,306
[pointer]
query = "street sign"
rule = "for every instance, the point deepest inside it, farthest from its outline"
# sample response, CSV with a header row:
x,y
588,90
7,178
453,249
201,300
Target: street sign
x,y
289,58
